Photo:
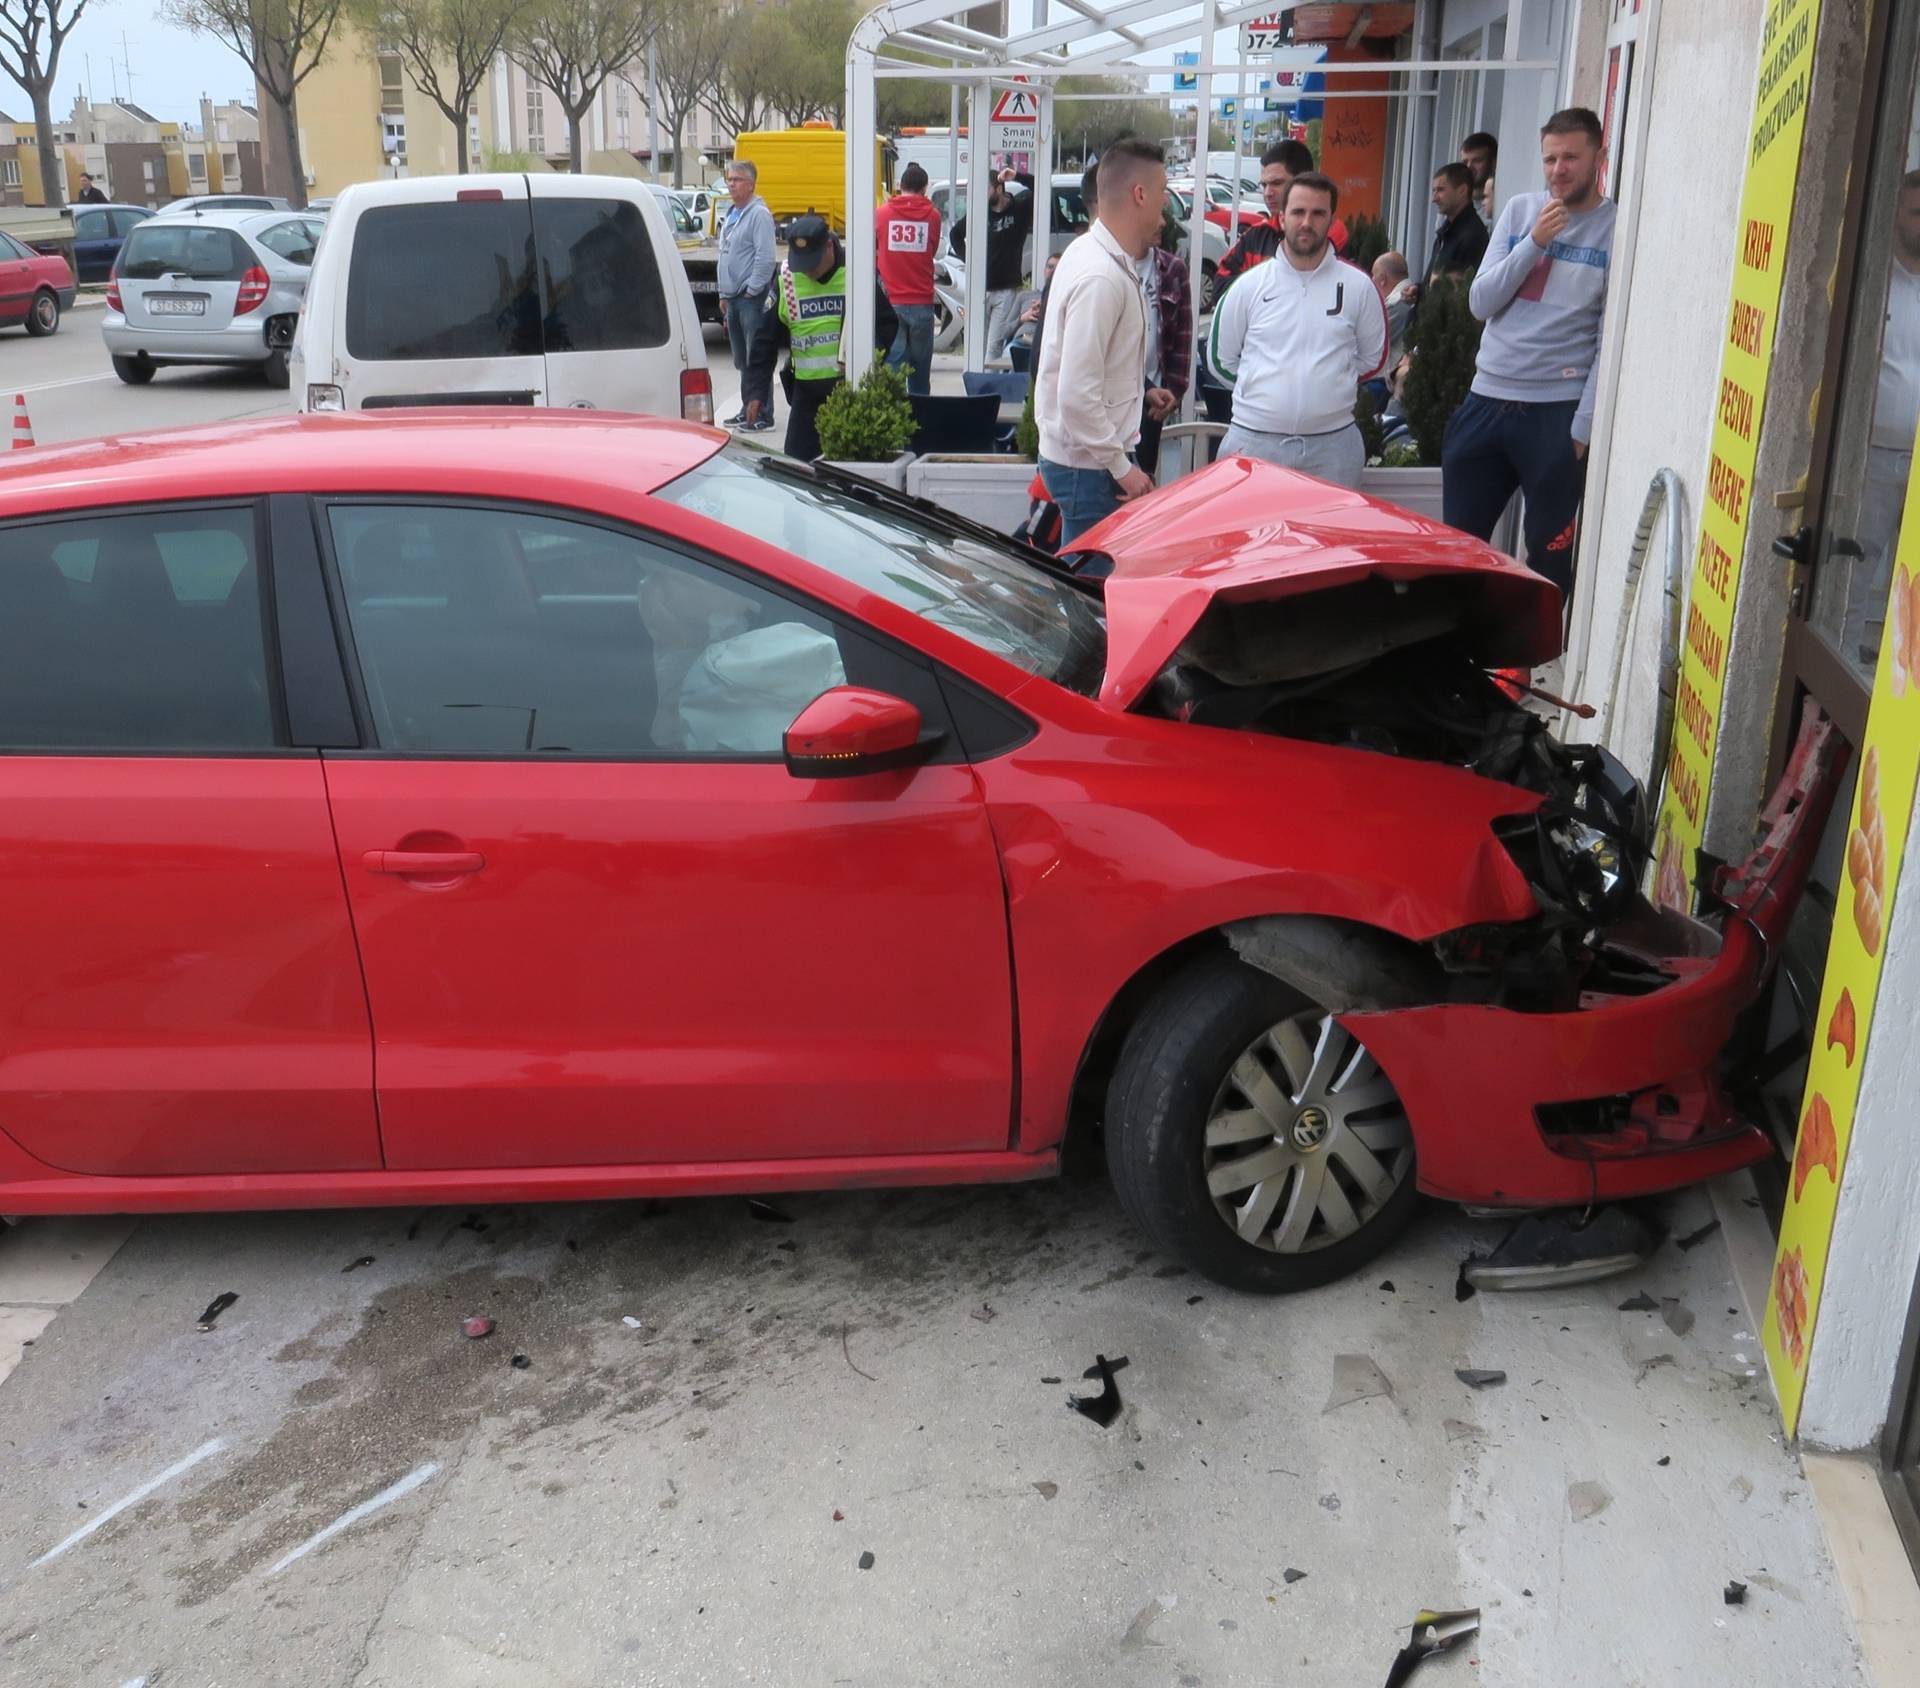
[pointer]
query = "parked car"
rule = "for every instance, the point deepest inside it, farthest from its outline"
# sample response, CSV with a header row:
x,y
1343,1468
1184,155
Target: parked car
x,y
670,817
704,205
502,290
210,287
35,287
320,207
226,202
99,231
698,257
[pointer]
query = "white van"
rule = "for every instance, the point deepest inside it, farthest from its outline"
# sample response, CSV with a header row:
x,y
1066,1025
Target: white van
x,y
565,291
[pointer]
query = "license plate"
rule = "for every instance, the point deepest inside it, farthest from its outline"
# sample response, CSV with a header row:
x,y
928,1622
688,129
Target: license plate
x,y
704,286
165,304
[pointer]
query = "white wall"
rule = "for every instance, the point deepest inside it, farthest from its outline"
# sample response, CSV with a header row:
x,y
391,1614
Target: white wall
x,y
1679,274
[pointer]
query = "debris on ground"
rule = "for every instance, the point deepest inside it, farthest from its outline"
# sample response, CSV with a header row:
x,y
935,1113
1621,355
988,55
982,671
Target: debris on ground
x,y
839,1517
767,1212
1693,1239
1651,1364
1386,1285
1459,1430
1103,1408
1052,1380
1047,1490
1587,1500
984,1313
1195,1300
1735,1594
1290,1575
520,1362
1329,1503
788,1247
218,1305
845,1331
1145,1619
1563,1248
473,1222
632,1323
477,1326
1741,1488
1355,1378
866,1561
1474,1378
1463,1289
355,1265
1678,1315
1664,1459
1641,1303
1433,1632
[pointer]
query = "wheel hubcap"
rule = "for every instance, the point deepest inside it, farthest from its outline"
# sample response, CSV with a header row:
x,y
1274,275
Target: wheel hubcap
x,y
1306,1140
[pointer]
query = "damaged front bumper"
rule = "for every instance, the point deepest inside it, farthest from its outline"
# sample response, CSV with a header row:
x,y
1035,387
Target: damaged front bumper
x,y
1621,1094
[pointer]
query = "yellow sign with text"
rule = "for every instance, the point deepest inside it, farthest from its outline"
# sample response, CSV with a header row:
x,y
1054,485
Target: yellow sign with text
x,y
1876,842
1766,208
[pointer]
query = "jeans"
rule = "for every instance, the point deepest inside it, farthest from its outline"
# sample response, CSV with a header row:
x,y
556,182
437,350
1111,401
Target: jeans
x,y
1338,457
745,319
1003,319
1494,446
913,346
1085,496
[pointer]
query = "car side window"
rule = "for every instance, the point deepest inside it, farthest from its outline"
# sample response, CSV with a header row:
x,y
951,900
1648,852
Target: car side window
x,y
291,240
134,632
487,631
125,222
90,225
12,248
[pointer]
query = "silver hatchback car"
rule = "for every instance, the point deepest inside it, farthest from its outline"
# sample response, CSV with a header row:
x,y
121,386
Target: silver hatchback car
x,y
210,287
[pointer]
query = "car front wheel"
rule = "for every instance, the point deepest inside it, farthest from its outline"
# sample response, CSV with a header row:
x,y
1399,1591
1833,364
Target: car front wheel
x,y
44,317
1253,1136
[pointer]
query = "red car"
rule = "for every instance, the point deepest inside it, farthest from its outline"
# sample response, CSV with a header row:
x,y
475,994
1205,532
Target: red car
x,y
474,806
35,287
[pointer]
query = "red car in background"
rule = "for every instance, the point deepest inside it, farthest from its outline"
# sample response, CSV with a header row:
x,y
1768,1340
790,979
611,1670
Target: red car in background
x,y
452,806
35,287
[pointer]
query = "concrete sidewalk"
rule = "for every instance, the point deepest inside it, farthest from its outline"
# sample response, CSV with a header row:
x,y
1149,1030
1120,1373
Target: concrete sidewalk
x,y
656,1501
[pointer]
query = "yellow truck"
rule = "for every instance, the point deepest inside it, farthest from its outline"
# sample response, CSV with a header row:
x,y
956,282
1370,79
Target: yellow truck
x,y
805,169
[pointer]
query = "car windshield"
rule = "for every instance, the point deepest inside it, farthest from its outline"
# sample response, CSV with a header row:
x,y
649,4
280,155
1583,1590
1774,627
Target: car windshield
x,y
992,596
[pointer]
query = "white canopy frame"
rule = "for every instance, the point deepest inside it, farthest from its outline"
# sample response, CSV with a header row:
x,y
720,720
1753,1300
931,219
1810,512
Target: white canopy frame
x,y
1095,37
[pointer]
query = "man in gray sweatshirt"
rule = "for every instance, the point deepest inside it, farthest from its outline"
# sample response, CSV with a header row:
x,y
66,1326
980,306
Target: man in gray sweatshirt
x,y
744,276
1541,290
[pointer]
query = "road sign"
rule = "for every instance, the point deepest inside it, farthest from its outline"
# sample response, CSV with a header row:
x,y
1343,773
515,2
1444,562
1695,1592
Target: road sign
x,y
1015,121
1260,37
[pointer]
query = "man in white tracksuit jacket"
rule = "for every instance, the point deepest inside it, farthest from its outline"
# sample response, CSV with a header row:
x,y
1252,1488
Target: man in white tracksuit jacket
x,y
1294,338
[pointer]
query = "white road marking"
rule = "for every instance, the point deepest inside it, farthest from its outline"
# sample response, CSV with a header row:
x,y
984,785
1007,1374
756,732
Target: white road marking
x,y
71,381
206,1450
346,1521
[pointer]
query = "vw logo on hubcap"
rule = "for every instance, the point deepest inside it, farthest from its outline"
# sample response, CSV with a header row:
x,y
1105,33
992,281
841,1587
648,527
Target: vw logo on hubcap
x,y
1310,1128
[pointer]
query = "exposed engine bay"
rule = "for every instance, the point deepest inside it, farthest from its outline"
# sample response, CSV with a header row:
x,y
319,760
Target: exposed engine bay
x,y
1382,667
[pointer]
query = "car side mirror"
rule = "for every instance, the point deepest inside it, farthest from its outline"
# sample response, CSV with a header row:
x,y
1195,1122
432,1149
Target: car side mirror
x,y
853,730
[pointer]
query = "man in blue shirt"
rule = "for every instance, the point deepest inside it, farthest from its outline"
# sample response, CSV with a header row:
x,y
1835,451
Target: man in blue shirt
x,y
744,276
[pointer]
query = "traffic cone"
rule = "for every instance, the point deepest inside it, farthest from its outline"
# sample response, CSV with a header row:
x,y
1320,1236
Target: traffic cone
x,y
22,423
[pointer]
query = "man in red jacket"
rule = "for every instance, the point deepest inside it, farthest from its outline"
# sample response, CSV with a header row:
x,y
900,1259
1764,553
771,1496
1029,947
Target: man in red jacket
x,y
906,234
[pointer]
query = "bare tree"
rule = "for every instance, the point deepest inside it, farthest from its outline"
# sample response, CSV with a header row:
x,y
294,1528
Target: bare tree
x,y
573,46
447,47
282,42
32,32
688,51
742,97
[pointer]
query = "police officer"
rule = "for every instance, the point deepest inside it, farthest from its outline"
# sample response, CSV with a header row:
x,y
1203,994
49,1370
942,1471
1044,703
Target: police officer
x,y
809,319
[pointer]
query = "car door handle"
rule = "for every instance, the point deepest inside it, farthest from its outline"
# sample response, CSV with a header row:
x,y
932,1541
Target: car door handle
x,y
426,864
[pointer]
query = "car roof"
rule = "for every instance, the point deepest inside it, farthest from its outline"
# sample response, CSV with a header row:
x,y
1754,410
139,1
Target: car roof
x,y
535,455
215,217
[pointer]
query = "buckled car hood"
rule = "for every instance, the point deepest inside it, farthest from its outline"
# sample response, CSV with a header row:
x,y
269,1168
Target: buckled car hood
x,y
1258,574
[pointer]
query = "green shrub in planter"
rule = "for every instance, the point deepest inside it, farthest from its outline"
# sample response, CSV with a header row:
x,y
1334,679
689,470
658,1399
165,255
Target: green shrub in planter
x,y
1367,238
1446,340
1367,419
868,423
1026,434
1402,454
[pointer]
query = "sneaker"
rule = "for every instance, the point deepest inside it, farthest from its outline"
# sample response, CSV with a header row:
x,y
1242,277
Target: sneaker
x,y
764,425
737,419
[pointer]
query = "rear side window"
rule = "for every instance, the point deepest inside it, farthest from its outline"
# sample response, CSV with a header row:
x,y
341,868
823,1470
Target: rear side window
x,y
600,282
205,254
133,632
449,280
90,225
294,240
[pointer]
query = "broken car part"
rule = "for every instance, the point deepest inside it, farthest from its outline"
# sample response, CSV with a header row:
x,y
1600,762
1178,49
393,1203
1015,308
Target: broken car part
x,y
218,1305
1475,1379
476,1326
1103,1408
1563,1248
1433,1632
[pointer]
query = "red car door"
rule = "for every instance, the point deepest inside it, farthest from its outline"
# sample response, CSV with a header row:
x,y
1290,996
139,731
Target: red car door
x,y
181,993
601,923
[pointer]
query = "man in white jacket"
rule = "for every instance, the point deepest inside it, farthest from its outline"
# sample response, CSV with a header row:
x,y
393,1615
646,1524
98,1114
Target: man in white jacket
x,y
1294,339
1093,360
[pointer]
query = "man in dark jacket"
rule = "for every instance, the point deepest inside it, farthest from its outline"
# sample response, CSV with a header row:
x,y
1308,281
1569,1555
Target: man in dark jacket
x,y
1009,224
1461,241
809,319
1261,237
89,193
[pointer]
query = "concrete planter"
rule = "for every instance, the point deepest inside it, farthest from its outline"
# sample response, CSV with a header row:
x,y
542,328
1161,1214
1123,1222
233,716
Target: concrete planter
x,y
1417,490
989,488
893,474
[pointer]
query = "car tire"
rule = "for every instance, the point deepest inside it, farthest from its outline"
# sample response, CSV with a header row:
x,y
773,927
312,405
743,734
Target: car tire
x,y
135,371
43,315
1209,287
1324,1122
275,368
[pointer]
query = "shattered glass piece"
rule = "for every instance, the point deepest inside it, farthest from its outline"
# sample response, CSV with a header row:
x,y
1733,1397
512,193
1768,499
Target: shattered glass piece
x,y
1587,1500
1477,1379
1355,1378
1678,1315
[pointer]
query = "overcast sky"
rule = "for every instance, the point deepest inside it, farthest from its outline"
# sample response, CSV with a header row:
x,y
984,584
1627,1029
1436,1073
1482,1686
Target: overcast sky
x,y
170,68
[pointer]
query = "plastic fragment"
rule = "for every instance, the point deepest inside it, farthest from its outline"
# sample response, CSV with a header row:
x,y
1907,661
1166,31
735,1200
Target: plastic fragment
x,y
218,1305
1476,1379
839,1517
355,1265
1103,1408
1047,1490
520,1362
866,1561
1463,1289
1293,1576
1678,1316
1195,1300
1641,1303
984,1313
1664,1459
477,1326
1694,1239
1735,1594
632,1323
1386,1284
1587,1500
